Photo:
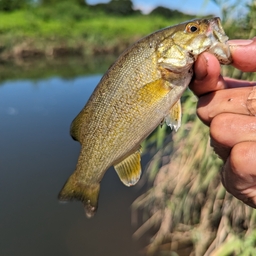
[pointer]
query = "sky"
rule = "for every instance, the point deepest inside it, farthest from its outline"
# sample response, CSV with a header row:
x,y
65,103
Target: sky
x,y
198,7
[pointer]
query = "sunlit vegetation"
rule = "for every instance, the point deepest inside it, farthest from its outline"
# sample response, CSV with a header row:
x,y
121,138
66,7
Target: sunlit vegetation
x,y
53,28
36,35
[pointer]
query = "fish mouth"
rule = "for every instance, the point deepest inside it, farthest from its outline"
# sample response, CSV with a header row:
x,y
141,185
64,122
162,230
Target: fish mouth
x,y
219,39
218,30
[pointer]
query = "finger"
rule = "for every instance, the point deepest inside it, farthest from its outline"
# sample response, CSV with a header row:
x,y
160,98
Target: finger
x,y
243,56
230,129
239,173
207,75
227,130
228,101
222,151
234,83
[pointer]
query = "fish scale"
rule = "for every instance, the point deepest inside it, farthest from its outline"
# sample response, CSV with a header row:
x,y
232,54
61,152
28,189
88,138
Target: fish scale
x,y
141,89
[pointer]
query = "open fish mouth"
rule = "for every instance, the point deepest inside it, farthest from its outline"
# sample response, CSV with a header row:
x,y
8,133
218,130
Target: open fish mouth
x,y
219,40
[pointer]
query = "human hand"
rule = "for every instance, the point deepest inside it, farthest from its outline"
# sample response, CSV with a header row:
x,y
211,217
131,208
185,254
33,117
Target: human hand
x,y
223,105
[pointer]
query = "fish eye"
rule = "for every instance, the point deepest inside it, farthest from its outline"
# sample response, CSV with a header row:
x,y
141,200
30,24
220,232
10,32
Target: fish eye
x,y
191,28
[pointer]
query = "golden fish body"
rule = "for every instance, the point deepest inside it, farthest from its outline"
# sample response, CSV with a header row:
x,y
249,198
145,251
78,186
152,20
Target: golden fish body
x,y
139,90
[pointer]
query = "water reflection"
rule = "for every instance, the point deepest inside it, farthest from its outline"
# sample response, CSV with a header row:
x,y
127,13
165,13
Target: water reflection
x,y
37,156
65,67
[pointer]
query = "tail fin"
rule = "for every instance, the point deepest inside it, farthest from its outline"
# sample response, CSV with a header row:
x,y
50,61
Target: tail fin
x,y
87,194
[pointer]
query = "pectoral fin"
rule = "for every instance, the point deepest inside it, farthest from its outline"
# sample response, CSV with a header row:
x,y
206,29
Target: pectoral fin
x,y
154,91
174,118
129,170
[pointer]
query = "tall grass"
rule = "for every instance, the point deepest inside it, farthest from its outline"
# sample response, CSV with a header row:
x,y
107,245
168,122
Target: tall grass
x,y
187,210
187,206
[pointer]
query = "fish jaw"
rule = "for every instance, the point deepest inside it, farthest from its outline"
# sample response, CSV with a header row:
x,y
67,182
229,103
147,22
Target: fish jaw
x,y
219,39
179,51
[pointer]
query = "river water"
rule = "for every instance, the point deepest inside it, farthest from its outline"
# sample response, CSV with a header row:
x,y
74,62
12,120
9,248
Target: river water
x,y
37,156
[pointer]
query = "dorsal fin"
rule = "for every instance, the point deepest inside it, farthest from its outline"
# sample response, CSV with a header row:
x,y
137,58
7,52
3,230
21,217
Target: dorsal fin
x,y
129,170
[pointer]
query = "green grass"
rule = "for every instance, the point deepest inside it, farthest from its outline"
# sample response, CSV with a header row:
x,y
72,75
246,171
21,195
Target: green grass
x,y
67,26
72,26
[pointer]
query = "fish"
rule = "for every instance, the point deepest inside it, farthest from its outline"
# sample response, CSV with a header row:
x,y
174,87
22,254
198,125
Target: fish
x,y
140,90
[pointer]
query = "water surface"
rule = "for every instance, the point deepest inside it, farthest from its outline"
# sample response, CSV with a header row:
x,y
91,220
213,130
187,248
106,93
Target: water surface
x,y
37,156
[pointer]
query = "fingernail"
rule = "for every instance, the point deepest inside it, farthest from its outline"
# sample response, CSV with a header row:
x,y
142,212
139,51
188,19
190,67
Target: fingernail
x,y
240,42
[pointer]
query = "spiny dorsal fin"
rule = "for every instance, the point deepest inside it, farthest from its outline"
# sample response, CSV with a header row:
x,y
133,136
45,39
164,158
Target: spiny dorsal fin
x,y
129,170
174,118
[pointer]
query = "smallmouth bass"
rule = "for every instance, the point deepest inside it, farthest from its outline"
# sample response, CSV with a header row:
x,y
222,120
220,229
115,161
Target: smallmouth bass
x,y
140,90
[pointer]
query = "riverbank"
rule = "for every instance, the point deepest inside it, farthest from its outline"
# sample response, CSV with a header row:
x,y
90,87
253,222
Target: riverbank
x,y
66,66
43,42
47,33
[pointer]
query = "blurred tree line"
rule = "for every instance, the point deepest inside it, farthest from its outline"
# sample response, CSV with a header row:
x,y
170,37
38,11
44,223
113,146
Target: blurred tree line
x,y
11,5
115,7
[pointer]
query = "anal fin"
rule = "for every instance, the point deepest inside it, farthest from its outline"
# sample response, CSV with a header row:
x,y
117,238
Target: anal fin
x,y
129,170
174,118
